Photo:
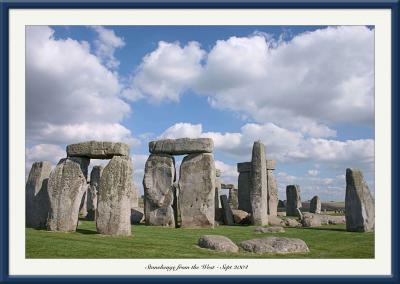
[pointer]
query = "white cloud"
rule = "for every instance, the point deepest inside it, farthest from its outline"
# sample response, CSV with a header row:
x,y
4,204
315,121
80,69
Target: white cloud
x,y
229,173
283,145
106,44
312,173
43,152
71,96
314,80
71,133
167,72
324,76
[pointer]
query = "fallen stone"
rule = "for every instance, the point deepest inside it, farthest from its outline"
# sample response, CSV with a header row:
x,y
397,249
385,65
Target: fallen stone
x,y
240,217
182,146
269,230
276,245
275,221
91,203
98,149
292,223
37,204
332,220
281,214
258,190
66,187
218,243
226,211
293,200
315,205
114,206
197,191
311,220
159,176
359,204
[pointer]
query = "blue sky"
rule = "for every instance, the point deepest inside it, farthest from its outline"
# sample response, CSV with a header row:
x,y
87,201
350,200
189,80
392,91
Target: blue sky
x,y
307,92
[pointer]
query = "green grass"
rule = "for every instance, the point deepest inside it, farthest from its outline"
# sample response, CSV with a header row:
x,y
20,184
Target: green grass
x,y
331,241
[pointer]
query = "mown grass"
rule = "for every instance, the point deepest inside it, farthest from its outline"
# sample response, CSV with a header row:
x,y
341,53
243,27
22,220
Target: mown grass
x,y
331,241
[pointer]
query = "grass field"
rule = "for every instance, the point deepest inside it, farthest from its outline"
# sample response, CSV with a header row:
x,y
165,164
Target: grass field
x,y
331,241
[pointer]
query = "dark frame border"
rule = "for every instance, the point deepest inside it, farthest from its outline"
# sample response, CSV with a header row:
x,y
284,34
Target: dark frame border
x,y
6,5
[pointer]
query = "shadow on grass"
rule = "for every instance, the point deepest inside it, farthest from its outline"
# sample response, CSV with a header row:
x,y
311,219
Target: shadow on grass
x,y
86,232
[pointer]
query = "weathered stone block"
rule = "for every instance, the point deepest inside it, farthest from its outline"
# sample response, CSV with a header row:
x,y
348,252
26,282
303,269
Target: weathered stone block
x,y
92,192
258,190
37,204
315,205
98,149
233,198
275,245
197,191
359,204
218,243
293,201
182,146
244,184
226,211
271,164
66,187
114,204
158,180
272,193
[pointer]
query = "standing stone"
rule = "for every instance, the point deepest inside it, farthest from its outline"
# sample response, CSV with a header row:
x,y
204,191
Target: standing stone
x,y
67,184
315,205
134,197
83,163
227,211
233,198
83,207
272,193
359,204
217,203
244,184
293,201
197,190
91,203
113,203
258,190
175,205
159,176
37,204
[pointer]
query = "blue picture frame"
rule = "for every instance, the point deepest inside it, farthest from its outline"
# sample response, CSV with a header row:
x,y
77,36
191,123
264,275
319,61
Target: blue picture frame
x,y
5,7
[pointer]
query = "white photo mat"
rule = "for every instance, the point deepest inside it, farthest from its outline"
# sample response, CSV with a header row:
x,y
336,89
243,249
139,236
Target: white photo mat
x,y
379,18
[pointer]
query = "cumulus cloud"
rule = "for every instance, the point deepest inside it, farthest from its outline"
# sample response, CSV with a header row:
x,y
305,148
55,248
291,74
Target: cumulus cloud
x,y
70,95
307,83
42,152
286,146
313,173
106,44
166,73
